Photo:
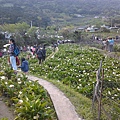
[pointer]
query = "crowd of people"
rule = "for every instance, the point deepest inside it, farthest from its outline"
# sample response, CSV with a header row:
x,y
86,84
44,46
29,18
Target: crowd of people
x,y
38,51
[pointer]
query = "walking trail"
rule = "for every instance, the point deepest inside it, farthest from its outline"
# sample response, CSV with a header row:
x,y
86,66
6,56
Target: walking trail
x,y
5,111
63,107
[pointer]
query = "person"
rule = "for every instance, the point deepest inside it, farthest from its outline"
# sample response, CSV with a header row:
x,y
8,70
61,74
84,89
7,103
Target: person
x,y
12,55
44,53
24,65
1,54
54,46
104,44
107,45
39,54
111,43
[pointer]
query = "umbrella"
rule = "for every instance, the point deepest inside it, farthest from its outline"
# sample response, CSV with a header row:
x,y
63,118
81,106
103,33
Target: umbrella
x,y
6,45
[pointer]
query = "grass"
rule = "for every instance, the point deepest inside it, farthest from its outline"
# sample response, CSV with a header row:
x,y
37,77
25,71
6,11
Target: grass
x,y
82,104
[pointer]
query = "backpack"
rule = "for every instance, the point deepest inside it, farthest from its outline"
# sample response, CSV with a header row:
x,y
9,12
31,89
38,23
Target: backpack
x,y
16,51
39,54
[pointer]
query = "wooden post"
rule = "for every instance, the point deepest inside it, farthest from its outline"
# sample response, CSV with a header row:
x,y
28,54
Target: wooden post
x,y
99,109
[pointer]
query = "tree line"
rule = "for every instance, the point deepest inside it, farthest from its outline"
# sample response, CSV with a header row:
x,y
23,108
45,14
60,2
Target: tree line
x,y
49,12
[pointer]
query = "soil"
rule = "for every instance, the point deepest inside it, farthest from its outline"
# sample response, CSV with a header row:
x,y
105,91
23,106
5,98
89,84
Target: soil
x,y
5,111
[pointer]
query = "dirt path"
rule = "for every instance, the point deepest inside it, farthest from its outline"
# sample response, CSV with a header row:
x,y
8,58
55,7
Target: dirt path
x,y
64,109
5,111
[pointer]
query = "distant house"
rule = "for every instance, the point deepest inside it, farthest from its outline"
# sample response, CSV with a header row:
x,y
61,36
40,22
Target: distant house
x,y
78,15
82,28
110,28
91,29
114,28
96,17
104,26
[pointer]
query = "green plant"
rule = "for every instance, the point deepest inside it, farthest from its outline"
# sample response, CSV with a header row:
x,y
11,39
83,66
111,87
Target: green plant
x,y
29,99
4,119
76,66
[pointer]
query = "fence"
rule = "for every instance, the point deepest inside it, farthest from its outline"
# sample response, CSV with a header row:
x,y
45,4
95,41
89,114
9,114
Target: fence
x,y
97,94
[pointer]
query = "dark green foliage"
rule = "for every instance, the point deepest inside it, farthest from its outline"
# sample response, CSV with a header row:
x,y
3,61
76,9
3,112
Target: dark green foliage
x,y
47,12
29,99
76,67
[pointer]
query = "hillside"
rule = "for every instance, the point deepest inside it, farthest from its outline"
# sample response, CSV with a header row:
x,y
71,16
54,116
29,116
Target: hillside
x,y
47,12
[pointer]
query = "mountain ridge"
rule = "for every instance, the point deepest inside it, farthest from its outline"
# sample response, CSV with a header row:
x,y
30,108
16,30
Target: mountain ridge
x,y
53,10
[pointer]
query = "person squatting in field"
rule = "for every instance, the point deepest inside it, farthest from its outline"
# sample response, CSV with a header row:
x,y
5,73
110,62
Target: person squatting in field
x,y
24,65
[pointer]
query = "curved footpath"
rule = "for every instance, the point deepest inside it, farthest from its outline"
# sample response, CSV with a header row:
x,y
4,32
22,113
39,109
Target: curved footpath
x,y
63,107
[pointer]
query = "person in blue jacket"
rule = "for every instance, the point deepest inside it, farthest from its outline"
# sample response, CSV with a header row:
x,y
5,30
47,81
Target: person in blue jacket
x,y
24,65
111,43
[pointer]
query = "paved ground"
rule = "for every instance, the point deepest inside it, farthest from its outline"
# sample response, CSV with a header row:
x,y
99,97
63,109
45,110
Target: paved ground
x,y
64,109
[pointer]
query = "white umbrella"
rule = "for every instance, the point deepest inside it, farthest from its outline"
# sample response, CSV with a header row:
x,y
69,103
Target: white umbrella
x,y
6,45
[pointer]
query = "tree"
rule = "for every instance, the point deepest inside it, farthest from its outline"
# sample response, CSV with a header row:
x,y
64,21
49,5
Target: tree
x,y
33,34
20,28
77,35
45,21
65,33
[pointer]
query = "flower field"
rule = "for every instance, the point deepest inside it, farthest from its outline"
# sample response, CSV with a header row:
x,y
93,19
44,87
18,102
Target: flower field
x,y
76,67
29,100
72,65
